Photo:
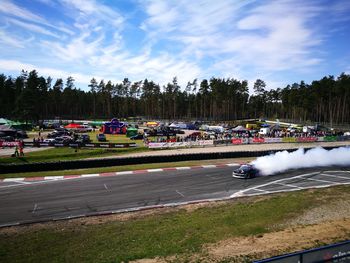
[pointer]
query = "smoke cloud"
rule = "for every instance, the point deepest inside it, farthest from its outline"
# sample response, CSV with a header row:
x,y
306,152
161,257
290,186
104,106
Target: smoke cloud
x,y
282,161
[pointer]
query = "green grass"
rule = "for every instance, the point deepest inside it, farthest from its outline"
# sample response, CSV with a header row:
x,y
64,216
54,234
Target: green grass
x,y
67,154
176,233
115,138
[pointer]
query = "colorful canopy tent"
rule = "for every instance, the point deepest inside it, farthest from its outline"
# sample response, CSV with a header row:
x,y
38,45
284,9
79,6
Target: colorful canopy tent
x,y
239,128
152,124
97,123
14,124
4,121
183,125
131,132
9,131
73,126
114,127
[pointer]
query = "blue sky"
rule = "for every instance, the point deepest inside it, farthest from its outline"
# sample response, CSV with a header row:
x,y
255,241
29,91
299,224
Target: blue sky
x,y
279,41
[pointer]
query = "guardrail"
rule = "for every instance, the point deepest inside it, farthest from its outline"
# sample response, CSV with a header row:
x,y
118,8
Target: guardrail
x,y
93,163
237,141
339,252
90,145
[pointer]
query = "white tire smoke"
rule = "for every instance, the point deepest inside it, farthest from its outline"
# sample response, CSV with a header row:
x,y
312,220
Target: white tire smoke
x,y
282,161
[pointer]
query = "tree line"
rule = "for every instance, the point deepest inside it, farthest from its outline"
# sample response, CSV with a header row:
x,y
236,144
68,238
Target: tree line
x,y
30,97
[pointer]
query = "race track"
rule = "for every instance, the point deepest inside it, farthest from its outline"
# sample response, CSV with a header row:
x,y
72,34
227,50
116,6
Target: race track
x,y
27,202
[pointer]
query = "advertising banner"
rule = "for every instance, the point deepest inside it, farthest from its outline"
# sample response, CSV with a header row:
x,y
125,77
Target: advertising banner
x,y
289,139
257,140
8,144
273,140
237,141
306,139
330,138
179,144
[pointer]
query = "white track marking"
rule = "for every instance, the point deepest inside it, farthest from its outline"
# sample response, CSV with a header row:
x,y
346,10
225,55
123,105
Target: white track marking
x,y
183,168
241,193
179,193
14,180
154,170
260,190
209,166
105,186
335,176
90,175
125,172
35,207
323,181
291,185
232,164
53,177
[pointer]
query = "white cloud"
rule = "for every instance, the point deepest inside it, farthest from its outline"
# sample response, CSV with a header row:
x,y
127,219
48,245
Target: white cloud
x,y
6,39
32,27
90,10
77,49
239,39
268,37
17,66
11,9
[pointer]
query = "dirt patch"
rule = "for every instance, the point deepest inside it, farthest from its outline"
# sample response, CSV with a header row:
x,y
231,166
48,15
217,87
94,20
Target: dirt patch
x,y
323,225
286,241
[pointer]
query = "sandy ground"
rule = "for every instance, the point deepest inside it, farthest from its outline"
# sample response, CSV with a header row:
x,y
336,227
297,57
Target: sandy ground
x,y
235,148
323,225
209,149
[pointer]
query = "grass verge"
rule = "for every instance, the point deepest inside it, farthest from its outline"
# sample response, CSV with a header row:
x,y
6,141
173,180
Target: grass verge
x,y
68,154
159,235
124,168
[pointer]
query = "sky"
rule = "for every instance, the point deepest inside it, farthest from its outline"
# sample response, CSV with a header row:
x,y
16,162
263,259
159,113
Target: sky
x,y
278,41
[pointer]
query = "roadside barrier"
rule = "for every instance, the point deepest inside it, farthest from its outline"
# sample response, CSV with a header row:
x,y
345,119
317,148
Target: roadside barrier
x,y
162,145
339,252
90,145
94,163
239,141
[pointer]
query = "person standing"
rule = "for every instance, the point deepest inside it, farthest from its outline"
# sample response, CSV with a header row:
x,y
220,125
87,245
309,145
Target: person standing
x,y
16,151
21,146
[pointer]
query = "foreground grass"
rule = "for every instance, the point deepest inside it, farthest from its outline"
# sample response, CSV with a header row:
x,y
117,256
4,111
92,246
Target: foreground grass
x,y
68,154
125,168
173,233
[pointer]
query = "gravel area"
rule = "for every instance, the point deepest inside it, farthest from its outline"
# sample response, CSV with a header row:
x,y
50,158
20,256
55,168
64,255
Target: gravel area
x,y
233,148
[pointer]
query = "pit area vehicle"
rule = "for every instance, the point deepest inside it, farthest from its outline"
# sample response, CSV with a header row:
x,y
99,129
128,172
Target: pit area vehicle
x,y
101,137
137,137
245,171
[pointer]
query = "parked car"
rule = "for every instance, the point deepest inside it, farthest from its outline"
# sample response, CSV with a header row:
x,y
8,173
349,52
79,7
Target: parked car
x,y
245,171
63,139
7,139
84,128
55,134
101,137
50,141
84,138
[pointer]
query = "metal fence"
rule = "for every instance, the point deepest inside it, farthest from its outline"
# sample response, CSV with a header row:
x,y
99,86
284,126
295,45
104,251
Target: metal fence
x,y
339,252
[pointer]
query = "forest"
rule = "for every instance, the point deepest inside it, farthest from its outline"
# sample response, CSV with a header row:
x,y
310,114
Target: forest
x,y
30,97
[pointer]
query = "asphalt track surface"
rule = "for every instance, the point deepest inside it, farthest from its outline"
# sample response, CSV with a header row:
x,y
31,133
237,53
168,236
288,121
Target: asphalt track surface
x,y
28,202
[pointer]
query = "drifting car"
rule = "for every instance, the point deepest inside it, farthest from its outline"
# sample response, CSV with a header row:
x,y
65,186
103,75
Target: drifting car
x,y
245,171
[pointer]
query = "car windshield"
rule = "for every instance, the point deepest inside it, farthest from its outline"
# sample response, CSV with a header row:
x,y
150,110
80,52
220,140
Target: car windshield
x,y
245,168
